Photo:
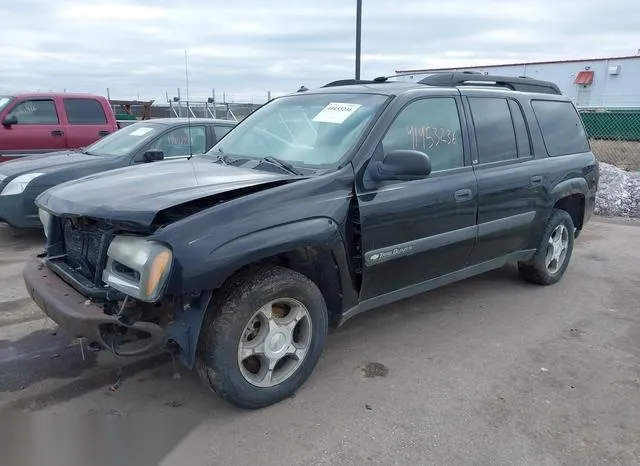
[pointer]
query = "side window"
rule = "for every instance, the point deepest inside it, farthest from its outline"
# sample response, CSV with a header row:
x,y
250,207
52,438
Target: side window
x,y
522,133
495,135
175,143
36,112
221,131
561,127
84,112
431,126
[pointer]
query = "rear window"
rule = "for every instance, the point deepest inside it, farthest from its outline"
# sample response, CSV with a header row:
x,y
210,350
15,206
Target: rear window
x,y
561,127
84,112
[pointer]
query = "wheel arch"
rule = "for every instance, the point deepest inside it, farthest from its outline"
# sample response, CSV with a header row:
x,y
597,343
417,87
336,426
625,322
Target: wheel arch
x,y
312,247
570,196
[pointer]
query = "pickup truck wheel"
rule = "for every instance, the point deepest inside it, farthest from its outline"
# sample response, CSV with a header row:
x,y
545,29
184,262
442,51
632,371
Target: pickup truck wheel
x,y
264,337
554,252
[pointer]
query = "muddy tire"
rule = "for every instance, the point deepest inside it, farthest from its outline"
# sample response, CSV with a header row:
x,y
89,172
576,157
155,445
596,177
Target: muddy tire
x,y
553,254
262,336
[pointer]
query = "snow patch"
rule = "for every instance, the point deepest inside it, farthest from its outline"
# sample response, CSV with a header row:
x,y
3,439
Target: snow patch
x,y
618,192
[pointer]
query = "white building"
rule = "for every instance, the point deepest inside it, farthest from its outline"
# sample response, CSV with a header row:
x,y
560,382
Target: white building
x,y
596,82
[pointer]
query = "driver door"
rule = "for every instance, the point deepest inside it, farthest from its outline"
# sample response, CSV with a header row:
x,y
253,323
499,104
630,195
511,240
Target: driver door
x,y
38,129
416,231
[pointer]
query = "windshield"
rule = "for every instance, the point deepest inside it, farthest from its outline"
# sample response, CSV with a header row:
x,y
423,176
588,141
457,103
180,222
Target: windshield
x,y
315,130
125,141
4,100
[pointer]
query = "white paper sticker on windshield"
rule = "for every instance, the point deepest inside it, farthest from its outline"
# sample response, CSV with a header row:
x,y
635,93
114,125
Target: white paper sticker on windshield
x,y
336,112
140,131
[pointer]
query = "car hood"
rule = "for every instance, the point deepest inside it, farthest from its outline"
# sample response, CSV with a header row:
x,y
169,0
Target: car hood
x,y
134,195
49,163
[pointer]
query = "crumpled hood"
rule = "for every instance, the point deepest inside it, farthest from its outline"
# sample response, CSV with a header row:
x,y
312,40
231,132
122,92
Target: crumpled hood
x,y
48,163
134,195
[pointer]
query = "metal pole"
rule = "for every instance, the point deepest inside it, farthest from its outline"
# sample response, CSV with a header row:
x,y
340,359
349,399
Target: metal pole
x,y
179,104
358,36
213,93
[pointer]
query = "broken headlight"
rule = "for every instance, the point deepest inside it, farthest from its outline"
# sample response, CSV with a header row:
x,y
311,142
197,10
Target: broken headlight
x,y
138,267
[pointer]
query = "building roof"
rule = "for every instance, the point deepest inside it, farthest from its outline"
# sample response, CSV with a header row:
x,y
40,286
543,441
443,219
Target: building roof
x,y
627,57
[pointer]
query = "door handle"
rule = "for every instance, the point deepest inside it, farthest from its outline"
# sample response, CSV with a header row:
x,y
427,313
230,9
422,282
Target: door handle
x,y
536,180
104,132
57,132
462,195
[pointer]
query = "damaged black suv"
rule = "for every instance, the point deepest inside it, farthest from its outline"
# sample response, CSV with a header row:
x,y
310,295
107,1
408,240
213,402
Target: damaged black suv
x,y
318,206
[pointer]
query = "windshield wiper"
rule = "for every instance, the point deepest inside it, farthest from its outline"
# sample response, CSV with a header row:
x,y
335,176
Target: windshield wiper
x,y
221,157
282,164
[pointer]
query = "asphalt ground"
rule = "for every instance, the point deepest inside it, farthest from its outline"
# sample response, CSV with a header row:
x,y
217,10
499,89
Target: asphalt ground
x,y
487,371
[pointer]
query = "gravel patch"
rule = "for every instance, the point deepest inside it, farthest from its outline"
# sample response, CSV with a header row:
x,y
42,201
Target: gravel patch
x,y
618,192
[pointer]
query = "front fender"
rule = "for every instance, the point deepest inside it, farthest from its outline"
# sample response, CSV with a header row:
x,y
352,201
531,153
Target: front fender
x,y
222,262
213,270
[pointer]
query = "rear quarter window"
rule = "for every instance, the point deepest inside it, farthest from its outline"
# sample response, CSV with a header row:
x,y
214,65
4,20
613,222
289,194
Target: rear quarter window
x,y
84,112
561,127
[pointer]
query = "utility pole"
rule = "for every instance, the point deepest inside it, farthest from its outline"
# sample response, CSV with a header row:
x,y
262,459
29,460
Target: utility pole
x,y
358,36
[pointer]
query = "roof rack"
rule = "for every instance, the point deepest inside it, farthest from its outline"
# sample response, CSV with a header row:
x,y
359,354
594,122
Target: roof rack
x,y
378,80
347,82
384,79
519,83
465,78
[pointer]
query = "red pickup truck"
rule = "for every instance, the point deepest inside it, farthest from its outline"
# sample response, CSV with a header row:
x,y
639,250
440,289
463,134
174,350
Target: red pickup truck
x,y
48,122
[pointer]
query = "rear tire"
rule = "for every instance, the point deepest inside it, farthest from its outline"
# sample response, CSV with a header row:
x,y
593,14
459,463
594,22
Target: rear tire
x,y
553,254
263,336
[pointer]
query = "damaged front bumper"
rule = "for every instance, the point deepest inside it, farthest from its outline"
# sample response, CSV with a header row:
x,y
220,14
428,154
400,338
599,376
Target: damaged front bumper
x,y
83,318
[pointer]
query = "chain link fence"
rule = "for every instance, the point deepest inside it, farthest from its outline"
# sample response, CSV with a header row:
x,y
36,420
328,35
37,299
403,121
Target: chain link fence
x,y
614,134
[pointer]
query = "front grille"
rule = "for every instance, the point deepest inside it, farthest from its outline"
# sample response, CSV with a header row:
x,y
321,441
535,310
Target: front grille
x,y
83,246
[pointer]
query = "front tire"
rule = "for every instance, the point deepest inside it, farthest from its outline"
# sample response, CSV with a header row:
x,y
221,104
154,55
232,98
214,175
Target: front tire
x,y
263,337
553,254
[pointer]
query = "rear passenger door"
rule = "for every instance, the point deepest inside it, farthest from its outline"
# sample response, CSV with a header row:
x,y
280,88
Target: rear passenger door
x,y
510,180
86,121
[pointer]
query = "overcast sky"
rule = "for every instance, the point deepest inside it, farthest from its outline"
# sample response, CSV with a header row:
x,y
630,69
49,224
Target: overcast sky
x,y
247,47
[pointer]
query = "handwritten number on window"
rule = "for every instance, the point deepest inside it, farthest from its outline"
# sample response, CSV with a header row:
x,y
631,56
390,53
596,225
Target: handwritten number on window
x,y
426,137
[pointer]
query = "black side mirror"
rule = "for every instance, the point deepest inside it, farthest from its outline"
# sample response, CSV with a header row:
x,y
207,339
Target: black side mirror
x,y
10,120
402,164
153,156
